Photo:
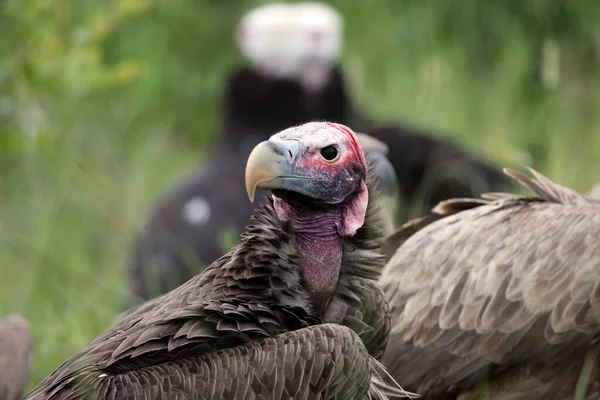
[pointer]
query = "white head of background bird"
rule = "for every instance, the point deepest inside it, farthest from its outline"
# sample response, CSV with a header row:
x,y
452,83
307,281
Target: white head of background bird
x,y
300,41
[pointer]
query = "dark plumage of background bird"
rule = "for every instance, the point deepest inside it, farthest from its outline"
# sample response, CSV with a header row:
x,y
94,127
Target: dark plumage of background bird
x,y
16,352
430,169
292,311
498,297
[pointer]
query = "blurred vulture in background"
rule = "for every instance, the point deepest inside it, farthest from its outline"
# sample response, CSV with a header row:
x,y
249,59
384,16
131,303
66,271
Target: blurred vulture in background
x,y
16,351
292,312
498,298
292,78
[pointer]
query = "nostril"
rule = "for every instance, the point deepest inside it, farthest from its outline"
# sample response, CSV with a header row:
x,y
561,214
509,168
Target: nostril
x,y
287,149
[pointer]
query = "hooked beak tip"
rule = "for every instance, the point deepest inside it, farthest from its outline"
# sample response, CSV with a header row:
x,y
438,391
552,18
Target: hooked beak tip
x,y
267,161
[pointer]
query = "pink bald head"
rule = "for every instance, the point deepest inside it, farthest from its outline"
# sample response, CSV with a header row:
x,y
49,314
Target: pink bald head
x,y
320,134
340,179
353,140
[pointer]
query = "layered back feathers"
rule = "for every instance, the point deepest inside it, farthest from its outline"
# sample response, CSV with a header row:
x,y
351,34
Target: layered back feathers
x,y
504,288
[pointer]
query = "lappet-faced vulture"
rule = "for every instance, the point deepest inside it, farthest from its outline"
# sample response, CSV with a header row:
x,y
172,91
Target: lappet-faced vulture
x,y
498,298
16,352
290,81
292,311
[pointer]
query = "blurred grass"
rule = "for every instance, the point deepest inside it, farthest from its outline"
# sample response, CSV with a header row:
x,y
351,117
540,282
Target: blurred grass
x,y
104,105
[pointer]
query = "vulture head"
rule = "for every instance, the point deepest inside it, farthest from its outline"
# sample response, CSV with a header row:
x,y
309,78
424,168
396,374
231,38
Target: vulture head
x,y
299,41
317,175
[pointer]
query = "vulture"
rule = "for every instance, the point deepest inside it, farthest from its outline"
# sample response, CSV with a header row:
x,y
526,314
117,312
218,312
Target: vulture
x,y
197,221
292,77
16,351
292,311
498,297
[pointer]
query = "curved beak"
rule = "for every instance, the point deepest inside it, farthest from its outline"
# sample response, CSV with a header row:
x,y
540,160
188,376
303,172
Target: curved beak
x,y
271,166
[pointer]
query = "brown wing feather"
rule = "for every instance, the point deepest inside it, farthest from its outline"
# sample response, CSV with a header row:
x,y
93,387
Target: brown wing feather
x,y
531,381
371,321
250,294
318,362
230,303
16,348
442,210
548,190
510,280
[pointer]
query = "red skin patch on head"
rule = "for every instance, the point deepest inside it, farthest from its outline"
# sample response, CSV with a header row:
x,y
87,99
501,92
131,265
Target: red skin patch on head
x,y
318,134
353,140
354,216
354,155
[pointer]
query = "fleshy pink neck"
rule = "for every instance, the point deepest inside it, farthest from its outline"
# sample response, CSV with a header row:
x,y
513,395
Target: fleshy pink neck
x,y
320,245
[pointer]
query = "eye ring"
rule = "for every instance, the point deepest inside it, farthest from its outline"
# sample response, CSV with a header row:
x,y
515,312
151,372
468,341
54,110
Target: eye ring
x,y
330,153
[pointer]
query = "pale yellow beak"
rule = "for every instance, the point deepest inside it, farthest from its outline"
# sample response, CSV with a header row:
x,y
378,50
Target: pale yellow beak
x,y
270,165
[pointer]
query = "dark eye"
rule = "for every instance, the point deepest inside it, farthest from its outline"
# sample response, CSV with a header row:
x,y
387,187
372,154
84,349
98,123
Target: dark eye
x,y
329,153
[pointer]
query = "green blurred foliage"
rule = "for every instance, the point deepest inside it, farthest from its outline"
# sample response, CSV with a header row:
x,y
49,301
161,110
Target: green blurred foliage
x,y
106,104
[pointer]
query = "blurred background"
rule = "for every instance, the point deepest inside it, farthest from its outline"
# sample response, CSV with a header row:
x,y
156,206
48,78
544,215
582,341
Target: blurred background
x,y
104,105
